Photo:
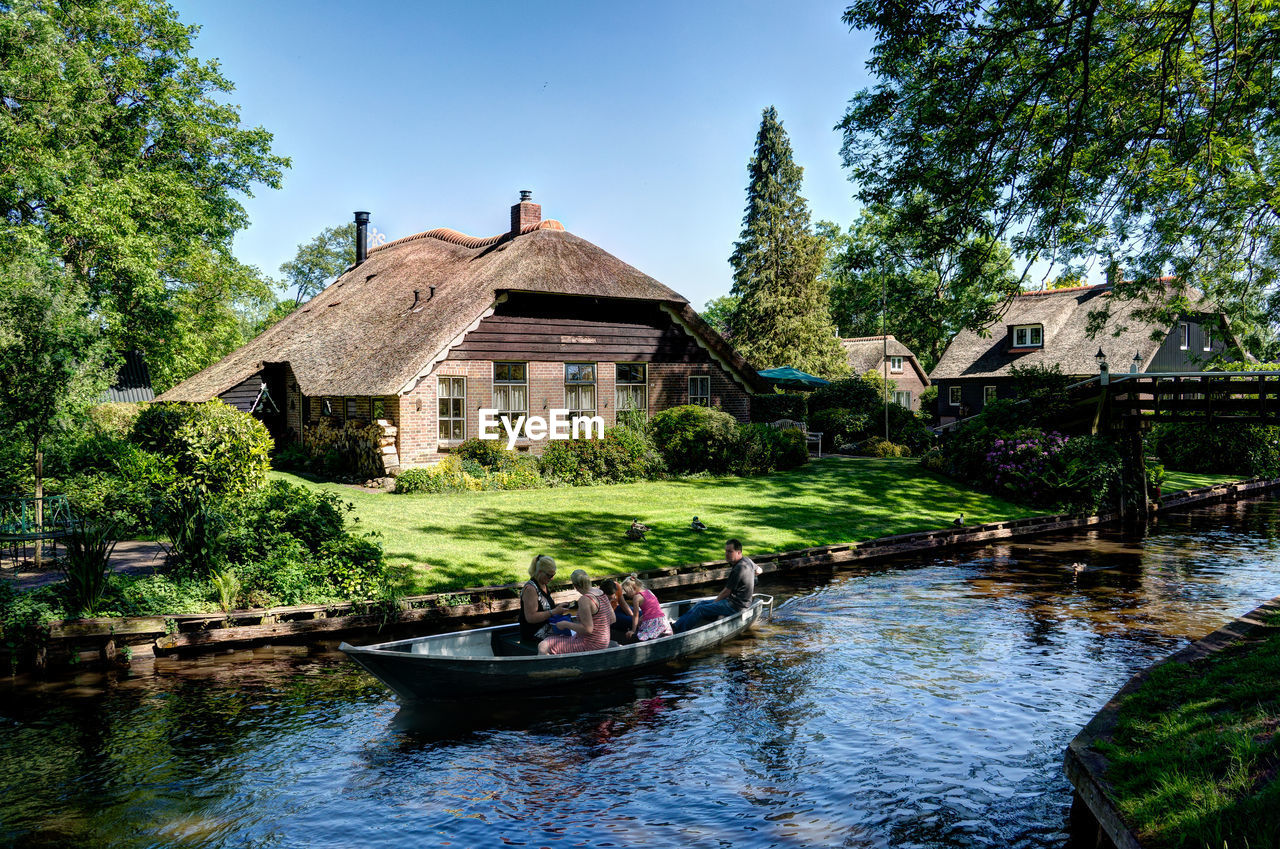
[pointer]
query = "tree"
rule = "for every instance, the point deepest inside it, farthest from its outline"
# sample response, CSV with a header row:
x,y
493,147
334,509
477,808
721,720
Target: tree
x,y
123,160
52,356
320,260
718,312
932,288
782,317
1140,131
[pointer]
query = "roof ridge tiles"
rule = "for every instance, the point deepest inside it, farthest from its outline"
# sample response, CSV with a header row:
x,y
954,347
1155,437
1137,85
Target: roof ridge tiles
x,y
454,237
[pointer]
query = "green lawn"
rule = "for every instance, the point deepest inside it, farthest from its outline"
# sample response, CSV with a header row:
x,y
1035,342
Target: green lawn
x,y
1195,756
476,538
1178,481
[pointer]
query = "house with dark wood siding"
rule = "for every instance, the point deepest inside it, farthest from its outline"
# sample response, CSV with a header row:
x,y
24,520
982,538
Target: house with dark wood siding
x,y
1052,328
888,357
423,332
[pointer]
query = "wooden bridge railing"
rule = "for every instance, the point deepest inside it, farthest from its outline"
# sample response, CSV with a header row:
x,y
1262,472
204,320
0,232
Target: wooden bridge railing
x,y
1245,397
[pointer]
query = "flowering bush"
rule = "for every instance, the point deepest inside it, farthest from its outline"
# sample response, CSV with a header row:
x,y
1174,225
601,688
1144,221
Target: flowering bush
x,y
1025,465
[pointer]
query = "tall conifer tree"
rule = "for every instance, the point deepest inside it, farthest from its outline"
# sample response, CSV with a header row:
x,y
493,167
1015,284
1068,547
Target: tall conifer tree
x,y
782,317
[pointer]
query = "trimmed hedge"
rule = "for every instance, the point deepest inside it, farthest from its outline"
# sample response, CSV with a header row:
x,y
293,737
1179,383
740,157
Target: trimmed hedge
x,y
1252,450
772,406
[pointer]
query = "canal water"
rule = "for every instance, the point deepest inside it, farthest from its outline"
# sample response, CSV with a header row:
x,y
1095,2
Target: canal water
x,y
923,704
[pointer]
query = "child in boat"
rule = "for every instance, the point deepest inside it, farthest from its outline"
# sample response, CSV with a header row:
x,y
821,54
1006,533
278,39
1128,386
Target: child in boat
x,y
651,622
623,616
589,627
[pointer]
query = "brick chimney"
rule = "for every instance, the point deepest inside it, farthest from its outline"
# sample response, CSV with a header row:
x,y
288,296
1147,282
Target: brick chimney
x,y
525,212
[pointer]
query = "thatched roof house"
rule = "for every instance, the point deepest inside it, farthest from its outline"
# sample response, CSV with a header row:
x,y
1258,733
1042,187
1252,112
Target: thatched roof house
x,y
441,303
886,355
1051,328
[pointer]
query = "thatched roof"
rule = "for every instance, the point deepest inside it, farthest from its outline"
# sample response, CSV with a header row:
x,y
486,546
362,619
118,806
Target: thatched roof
x,y
865,354
364,335
1064,313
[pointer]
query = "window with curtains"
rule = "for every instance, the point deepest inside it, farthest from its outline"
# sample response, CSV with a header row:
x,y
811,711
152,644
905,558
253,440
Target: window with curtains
x,y
632,389
580,389
902,398
452,395
700,390
895,365
511,391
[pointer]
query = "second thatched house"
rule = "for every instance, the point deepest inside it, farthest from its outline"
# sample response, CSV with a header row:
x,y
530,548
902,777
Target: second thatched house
x,y
408,346
888,357
1051,328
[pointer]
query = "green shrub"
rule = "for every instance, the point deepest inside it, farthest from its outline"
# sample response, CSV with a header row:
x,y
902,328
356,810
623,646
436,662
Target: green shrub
x,y
198,536
840,425
761,448
217,450
86,565
313,517
126,493
488,453
694,439
162,593
625,454
446,476
1252,450
773,406
292,456
878,446
851,393
115,419
521,472
929,403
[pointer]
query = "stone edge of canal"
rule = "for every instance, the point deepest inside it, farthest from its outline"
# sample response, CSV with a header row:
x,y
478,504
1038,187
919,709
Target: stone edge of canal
x,y
117,641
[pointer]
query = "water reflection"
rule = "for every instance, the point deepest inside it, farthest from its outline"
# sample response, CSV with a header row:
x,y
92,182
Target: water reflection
x,y
924,703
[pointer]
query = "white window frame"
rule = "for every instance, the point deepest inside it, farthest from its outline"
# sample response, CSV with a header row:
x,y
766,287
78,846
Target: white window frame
x,y
1031,336
502,389
1184,330
577,386
902,397
895,365
953,396
462,407
989,394
643,384
698,395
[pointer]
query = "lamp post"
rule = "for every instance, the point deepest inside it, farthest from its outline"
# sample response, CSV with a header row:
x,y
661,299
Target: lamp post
x,y
884,338
1136,365
1104,376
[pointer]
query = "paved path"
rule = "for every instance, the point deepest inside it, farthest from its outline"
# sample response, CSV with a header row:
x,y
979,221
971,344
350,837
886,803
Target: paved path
x,y
131,557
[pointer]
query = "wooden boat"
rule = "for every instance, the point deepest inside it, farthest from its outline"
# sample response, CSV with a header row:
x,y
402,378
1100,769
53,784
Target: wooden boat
x,y
493,660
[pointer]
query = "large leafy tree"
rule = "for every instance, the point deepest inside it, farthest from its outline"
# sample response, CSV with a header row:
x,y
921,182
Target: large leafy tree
x,y
121,157
782,316
718,313
52,352
1140,134
320,260
931,287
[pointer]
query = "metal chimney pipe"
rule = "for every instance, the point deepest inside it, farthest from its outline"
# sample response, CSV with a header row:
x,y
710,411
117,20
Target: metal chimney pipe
x,y
362,236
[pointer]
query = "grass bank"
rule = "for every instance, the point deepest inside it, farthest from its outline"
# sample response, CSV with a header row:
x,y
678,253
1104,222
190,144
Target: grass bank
x,y
454,540
1178,481
1195,756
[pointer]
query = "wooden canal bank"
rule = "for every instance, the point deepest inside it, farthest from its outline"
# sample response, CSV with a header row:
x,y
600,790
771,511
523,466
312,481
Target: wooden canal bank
x,y
1096,822
119,640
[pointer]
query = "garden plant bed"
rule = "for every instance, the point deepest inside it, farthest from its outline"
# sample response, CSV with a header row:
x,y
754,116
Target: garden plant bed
x,y
1186,754
80,640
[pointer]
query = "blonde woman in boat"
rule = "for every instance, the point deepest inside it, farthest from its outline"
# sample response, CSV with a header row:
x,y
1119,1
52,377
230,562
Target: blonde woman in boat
x,y
589,629
536,605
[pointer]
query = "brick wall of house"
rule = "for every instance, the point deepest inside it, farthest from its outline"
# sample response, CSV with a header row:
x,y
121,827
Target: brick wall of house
x,y
668,386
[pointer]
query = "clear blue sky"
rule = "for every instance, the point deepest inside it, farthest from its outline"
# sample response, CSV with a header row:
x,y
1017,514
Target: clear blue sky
x,y
632,123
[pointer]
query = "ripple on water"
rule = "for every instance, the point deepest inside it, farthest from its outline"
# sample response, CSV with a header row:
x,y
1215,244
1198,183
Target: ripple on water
x,y
926,703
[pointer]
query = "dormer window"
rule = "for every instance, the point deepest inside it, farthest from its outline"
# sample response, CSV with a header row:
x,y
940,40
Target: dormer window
x,y
895,365
1028,336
